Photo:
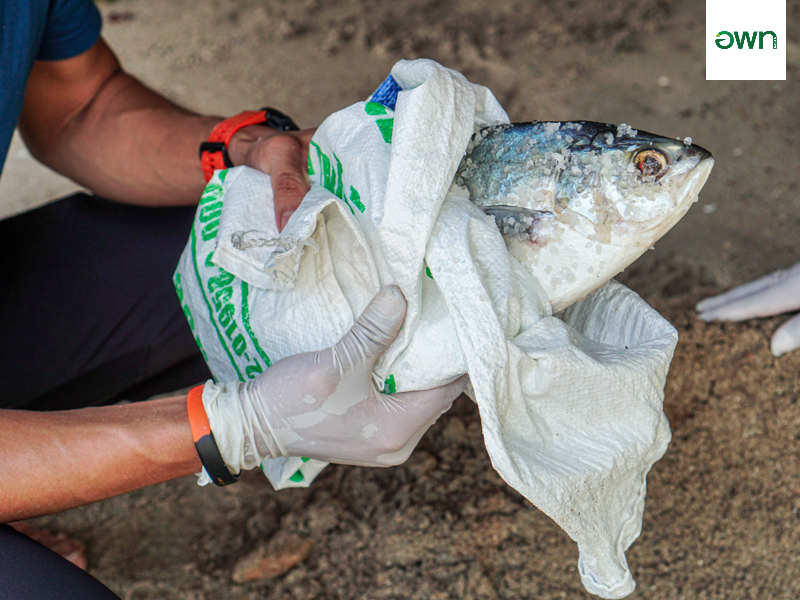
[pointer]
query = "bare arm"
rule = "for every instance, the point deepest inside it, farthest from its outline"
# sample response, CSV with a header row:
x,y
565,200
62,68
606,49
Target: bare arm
x,y
53,461
89,120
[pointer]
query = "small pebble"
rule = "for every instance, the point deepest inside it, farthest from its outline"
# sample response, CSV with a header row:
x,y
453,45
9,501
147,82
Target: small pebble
x,y
277,557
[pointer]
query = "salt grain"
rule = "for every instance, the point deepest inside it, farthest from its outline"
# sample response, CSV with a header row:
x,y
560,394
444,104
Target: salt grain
x,y
626,130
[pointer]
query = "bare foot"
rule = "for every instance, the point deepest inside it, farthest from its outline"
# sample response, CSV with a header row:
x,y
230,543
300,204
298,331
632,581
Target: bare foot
x,y
59,543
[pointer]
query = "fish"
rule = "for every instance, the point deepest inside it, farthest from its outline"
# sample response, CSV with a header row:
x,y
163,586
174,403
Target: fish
x,y
577,202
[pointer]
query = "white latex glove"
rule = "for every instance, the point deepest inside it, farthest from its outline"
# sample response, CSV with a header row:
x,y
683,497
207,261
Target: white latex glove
x,y
773,294
326,405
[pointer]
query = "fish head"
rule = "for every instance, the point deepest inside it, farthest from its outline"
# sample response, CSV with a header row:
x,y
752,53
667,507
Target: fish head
x,y
631,181
578,202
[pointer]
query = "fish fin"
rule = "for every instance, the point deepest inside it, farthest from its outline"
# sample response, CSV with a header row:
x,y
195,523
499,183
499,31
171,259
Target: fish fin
x,y
515,220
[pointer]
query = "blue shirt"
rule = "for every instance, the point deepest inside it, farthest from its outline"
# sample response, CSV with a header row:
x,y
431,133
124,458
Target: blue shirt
x,y
37,30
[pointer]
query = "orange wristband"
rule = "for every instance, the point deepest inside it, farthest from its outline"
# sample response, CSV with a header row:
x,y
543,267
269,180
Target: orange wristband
x,y
214,151
204,441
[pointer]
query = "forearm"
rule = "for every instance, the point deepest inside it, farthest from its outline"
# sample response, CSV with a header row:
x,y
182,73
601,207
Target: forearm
x,y
110,133
87,119
132,145
53,461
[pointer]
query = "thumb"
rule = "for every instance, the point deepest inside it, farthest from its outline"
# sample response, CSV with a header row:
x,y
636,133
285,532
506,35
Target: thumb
x,y
374,331
284,157
420,410
426,406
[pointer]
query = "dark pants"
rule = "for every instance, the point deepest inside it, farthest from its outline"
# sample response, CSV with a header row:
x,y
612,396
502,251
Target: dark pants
x,y
88,312
29,571
88,316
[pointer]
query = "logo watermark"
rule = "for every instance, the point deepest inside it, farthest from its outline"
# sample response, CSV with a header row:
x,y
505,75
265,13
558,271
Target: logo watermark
x,y
745,41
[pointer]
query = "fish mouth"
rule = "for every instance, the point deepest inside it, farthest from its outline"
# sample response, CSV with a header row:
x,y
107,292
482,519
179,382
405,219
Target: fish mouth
x,y
692,181
698,152
693,154
685,188
685,193
699,175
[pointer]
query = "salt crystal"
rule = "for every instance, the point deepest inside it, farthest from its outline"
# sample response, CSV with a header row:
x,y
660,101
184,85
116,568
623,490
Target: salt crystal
x,y
551,128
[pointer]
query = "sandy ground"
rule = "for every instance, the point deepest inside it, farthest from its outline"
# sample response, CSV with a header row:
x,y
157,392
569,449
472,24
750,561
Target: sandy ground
x,y
723,506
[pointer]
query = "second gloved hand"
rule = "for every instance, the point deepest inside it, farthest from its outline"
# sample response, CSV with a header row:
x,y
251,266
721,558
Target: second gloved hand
x,y
325,404
773,294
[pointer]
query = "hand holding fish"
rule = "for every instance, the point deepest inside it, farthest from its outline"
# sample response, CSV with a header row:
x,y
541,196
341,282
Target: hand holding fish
x,y
773,294
325,405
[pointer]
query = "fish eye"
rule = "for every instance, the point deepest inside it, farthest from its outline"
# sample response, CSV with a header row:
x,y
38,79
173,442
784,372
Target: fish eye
x,y
650,163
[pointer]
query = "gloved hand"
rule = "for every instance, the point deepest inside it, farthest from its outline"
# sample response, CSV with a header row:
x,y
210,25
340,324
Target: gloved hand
x,y
326,405
773,294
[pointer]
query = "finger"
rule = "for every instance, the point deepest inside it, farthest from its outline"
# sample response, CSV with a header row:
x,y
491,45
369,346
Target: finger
x,y
736,293
773,294
285,158
787,337
425,406
375,329
777,278
419,410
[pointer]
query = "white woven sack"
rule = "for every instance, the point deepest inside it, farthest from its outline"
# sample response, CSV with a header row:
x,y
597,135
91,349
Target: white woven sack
x,y
571,407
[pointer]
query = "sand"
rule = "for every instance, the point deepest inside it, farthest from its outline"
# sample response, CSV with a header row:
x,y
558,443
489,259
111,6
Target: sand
x,y
723,505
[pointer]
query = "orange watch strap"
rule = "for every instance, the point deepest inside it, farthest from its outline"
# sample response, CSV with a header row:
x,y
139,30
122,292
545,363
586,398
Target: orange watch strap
x,y
204,441
198,419
214,151
224,130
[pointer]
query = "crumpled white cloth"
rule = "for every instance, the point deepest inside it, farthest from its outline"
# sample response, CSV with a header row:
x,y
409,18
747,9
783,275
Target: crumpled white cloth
x,y
571,405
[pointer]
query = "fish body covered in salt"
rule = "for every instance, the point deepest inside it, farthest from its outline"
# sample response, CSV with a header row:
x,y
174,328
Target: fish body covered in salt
x,y
577,202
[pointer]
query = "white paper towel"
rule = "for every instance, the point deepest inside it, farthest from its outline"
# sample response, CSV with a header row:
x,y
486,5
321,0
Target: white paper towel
x,y
571,407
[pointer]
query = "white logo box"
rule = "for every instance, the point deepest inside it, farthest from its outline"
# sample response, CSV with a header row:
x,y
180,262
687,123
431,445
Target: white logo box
x,y
761,25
